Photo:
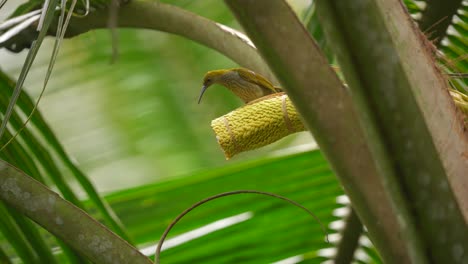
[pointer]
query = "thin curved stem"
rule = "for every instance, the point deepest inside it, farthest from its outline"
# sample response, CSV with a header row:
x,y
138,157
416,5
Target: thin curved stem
x,y
197,204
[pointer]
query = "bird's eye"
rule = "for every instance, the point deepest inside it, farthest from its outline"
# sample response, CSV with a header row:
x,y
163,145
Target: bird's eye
x,y
208,80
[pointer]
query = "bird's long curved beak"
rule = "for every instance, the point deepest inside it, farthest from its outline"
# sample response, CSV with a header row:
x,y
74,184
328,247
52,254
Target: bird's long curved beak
x,y
202,92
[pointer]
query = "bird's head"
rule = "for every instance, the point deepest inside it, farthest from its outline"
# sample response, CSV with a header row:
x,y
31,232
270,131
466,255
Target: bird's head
x,y
211,78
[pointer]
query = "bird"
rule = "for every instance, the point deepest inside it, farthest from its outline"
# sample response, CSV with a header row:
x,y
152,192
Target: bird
x,y
244,83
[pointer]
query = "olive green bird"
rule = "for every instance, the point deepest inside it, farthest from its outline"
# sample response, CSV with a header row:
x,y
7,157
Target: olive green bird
x,y
244,83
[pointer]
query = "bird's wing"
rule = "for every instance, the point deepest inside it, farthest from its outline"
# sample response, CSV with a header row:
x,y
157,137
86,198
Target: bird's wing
x,y
256,78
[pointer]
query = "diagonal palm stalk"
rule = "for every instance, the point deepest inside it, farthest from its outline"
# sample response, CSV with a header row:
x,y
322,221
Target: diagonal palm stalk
x,y
63,219
327,110
259,20
353,228
406,127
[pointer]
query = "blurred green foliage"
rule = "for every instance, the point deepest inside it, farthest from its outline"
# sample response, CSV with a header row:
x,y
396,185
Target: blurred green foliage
x,y
137,119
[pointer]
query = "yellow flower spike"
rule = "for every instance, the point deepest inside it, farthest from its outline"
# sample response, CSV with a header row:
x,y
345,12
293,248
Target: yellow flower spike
x,y
257,124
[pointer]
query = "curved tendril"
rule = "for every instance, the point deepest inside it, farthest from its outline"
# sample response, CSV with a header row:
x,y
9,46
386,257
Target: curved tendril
x,y
197,204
